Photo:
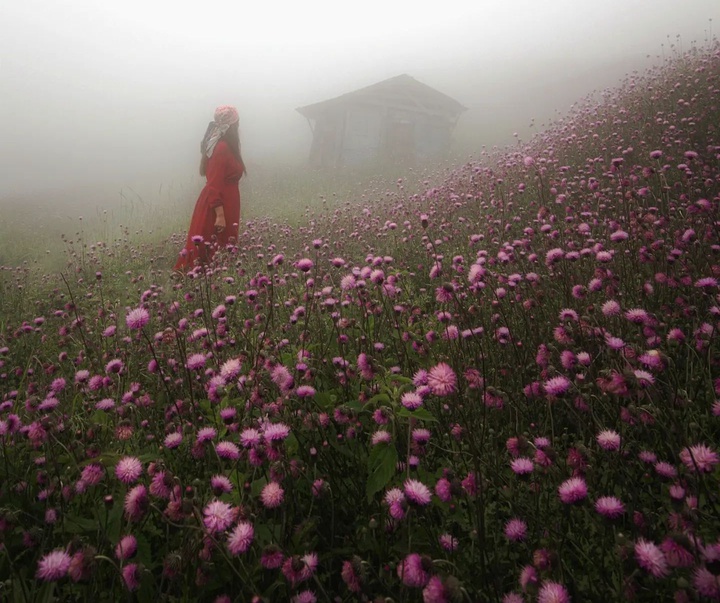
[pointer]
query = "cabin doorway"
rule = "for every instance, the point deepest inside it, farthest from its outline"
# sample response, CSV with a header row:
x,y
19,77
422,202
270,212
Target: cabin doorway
x,y
401,140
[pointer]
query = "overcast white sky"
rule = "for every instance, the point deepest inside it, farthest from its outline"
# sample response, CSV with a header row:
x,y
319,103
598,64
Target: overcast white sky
x,y
118,90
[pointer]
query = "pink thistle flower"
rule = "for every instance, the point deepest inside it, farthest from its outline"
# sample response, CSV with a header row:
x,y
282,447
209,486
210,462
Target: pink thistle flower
x,y
305,391
304,596
304,265
448,542
637,316
381,437
92,474
206,434
240,538
666,470
608,439
394,496
173,440
115,366
136,319
53,566
567,359
552,592
250,438
220,485
675,554
420,378
417,492
218,516
411,400
413,571
644,378
227,450
603,256
230,369
699,458
512,598
528,576
160,485
275,432
421,435
567,314
651,558
351,575
272,495
573,490
128,469
105,404
515,530
522,466
436,591
706,583
272,557
557,386
442,379
553,256
48,404
196,362
652,360
647,456
281,377
443,489
706,283
299,569
610,507
126,548
610,308
348,282
132,576
614,343
136,503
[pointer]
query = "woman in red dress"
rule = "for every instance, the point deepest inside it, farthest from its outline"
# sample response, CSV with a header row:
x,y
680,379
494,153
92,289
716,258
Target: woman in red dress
x,y
216,218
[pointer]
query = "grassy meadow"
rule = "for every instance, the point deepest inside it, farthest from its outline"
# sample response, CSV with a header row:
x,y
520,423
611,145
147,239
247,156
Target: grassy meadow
x,y
496,380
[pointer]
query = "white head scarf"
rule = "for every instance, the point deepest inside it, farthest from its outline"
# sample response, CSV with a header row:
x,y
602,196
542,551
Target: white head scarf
x,y
225,116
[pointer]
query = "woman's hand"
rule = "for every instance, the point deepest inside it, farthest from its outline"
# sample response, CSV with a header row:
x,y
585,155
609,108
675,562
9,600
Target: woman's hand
x,y
219,219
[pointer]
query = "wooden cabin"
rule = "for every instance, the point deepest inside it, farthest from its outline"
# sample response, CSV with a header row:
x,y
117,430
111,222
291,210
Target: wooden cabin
x,y
396,119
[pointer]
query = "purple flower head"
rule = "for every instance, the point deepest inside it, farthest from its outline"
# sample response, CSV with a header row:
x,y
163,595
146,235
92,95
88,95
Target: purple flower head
x,y
573,490
136,319
128,469
240,538
53,566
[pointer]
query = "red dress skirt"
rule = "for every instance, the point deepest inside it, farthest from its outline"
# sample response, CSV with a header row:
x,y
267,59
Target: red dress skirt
x,y
223,174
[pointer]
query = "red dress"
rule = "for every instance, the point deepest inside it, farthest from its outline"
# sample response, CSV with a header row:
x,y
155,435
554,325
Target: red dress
x,y
223,174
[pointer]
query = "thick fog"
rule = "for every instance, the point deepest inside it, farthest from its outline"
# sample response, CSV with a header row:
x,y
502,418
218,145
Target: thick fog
x,y
117,93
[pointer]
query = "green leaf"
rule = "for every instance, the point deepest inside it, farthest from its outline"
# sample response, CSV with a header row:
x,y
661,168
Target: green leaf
x,y
378,399
80,525
144,550
324,400
46,594
291,444
257,486
381,468
355,405
114,522
421,414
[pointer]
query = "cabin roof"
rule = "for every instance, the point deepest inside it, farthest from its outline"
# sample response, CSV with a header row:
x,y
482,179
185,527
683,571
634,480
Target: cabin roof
x,y
401,91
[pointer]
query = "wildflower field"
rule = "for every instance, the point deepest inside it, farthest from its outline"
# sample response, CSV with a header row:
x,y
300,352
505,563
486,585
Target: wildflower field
x,y
505,387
